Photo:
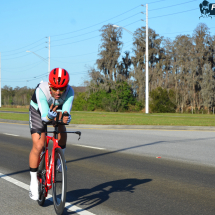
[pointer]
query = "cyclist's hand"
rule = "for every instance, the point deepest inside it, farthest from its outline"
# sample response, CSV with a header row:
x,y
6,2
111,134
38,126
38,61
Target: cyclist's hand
x,y
52,112
66,119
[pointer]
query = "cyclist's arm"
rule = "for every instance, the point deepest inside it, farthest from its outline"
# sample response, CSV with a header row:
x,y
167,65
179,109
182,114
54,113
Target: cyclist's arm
x,y
42,104
67,106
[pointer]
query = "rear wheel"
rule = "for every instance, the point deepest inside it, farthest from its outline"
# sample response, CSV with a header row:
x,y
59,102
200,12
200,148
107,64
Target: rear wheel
x,y
59,186
41,180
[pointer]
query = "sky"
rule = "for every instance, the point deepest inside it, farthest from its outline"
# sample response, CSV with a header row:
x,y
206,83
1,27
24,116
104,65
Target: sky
x,y
73,28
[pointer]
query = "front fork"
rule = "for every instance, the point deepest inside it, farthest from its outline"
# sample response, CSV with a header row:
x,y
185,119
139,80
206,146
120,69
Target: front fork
x,y
50,176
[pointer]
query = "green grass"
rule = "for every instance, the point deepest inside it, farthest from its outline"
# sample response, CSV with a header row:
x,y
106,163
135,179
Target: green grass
x,y
14,116
108,118
15,109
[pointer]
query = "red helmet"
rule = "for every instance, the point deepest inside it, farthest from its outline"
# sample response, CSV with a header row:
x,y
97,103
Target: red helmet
x,y
58,78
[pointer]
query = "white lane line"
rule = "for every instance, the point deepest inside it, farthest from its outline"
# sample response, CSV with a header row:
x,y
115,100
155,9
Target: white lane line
x,y
91,147
14,181
69,206
15,135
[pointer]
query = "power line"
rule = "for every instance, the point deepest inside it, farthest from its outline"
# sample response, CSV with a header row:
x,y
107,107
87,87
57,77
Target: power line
x,y
97,23
25,50
25,65
21,56
183,31
174,13
76,41
156,1
132,23
172,5
76,36
76,55
31,79
96,30
22,47
23,70
37,78
84,54
28,77
75,62
88,38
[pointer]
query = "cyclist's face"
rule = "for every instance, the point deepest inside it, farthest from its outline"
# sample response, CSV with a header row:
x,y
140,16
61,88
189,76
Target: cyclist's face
x,y
56,94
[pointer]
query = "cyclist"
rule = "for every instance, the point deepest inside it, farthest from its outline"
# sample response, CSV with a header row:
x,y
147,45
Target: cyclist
x,y
49,97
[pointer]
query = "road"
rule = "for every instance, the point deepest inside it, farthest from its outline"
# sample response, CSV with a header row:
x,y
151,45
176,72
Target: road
x,y
121,174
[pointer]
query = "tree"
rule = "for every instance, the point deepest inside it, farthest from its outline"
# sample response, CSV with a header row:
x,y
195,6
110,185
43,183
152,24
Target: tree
x,y
182,71
138,61
201,36
156,53
124,68
109,52
208,86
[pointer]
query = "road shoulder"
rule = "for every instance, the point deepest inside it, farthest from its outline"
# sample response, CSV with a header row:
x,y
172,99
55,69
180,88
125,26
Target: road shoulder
x,y
139,127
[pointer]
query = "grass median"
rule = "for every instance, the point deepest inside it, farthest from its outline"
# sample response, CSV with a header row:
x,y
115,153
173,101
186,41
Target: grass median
x,y
15,109
109,118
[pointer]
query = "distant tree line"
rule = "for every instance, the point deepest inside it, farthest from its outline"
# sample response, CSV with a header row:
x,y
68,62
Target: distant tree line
x,y
16,96
22,96
181,74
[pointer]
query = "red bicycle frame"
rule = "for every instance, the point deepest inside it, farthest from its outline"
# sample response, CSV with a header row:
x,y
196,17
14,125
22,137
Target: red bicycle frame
x,y
50,167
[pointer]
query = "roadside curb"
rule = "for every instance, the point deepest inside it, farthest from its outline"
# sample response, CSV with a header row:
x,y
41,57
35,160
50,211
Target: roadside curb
x,y
141,127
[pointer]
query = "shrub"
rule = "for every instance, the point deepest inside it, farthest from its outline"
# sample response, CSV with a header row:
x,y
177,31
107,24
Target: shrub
x,y
80,102
137,107
95,100
120,98
162,101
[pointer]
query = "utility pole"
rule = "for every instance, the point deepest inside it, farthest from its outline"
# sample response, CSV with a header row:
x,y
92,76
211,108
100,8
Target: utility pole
x,y
49,57
147,65
0,79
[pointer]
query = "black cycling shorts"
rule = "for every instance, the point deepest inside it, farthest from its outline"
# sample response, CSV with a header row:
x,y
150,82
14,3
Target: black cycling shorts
x,y
35,121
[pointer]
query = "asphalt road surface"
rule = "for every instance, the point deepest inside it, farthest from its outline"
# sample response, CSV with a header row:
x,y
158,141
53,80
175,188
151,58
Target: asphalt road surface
x,y
116,172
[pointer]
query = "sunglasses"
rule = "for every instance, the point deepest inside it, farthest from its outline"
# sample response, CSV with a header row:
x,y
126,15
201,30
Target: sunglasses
x,y
60,89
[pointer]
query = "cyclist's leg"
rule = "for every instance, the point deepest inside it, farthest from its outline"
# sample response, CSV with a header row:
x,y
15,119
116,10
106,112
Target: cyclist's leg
x,y
36,125
38,144
62,138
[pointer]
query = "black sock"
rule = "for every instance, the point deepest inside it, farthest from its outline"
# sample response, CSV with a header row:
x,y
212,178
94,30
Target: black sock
x,y
33,169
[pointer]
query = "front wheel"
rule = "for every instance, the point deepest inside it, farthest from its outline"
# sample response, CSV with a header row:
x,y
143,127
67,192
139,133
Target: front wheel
x,y
59,184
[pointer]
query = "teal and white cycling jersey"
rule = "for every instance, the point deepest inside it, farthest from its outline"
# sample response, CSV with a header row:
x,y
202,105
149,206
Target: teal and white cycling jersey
x,y
42,100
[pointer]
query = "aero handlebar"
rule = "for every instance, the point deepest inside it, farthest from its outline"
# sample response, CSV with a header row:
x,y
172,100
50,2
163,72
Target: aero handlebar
x,y
57,122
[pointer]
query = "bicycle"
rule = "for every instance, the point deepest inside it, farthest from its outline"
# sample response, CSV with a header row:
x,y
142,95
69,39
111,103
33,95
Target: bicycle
x,y
52,171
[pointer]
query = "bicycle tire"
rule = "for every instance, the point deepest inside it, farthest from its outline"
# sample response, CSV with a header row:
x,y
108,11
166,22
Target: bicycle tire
x,y
41,190
60,184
